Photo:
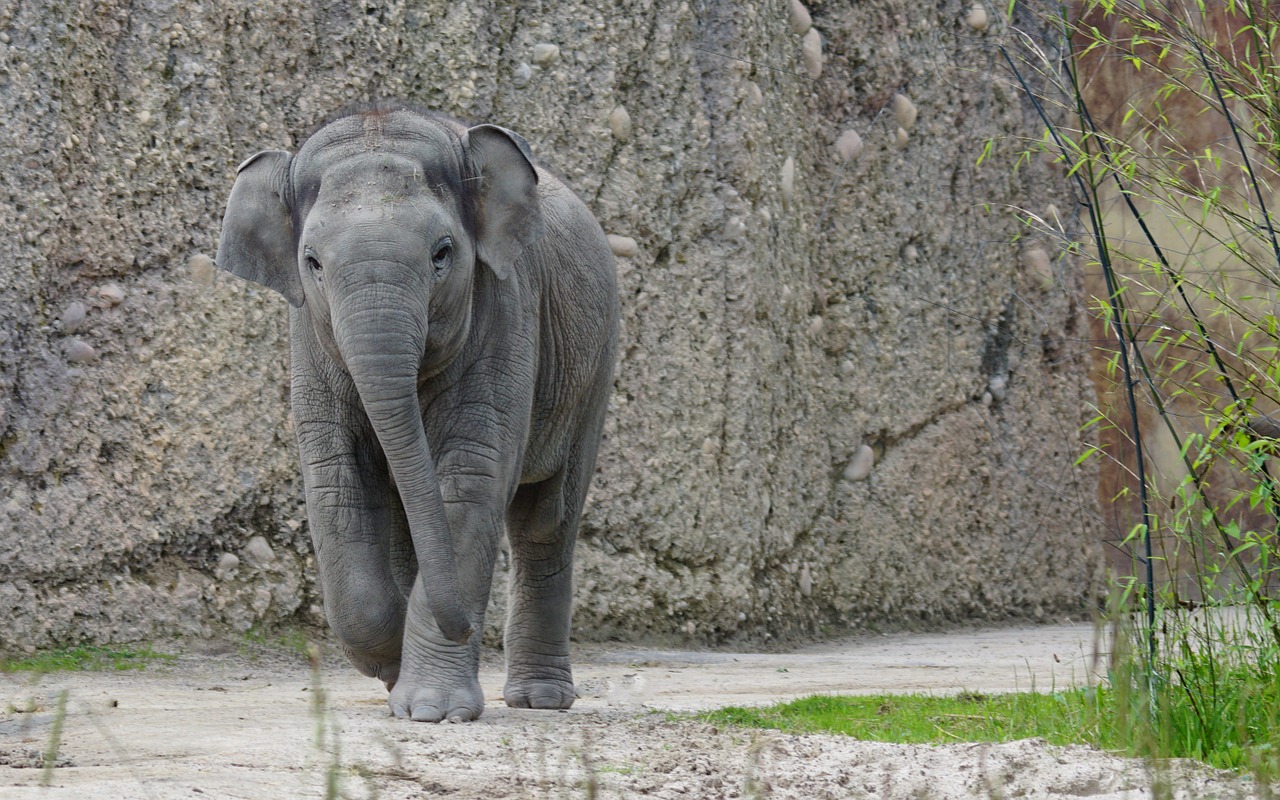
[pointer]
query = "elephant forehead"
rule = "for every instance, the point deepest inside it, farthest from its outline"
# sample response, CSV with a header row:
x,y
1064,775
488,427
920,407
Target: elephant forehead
x,y
393,183
347,217
380,188
389,174
351,144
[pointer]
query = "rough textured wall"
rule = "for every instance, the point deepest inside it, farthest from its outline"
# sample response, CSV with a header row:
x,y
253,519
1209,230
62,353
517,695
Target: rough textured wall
x,y
844,397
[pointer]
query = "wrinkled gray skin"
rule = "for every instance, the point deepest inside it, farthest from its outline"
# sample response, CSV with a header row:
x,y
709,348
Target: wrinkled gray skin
x,y
453,323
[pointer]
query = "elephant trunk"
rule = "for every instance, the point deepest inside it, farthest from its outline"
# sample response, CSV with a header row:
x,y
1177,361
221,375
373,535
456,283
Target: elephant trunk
x,y
382,349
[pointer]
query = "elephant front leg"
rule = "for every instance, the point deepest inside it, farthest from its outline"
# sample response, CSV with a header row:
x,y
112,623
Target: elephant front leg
x,y
439,679
354,521
363,605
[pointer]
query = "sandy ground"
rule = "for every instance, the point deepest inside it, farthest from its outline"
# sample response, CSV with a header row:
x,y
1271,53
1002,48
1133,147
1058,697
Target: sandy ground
x,y
223,721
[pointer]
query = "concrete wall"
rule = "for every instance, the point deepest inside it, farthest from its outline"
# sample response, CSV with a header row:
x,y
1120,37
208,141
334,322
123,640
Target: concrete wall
x,y
846,397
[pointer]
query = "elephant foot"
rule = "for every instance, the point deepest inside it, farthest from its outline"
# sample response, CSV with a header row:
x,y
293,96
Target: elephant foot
x,y
435,703
549,694
386,671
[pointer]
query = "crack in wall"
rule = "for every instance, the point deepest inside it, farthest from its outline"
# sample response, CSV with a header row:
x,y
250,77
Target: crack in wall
x,y
621,90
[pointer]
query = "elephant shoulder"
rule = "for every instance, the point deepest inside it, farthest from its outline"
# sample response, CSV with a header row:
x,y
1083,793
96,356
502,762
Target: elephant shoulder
x,y
570,224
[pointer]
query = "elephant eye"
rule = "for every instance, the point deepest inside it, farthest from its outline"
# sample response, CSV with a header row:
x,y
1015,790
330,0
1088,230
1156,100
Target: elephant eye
x,y
313,264
441,254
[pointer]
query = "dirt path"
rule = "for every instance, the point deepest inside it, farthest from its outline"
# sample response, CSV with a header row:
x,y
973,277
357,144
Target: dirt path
x,y
223,724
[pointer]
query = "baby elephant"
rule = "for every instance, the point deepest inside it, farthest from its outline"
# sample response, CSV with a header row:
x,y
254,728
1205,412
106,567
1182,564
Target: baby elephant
x,y
453,320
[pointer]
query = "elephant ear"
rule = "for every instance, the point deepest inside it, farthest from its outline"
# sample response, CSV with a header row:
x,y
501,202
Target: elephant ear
x,y
509,216
257,231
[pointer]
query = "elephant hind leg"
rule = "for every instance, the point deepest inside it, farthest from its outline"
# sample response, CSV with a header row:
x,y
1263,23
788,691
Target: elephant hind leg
x,y
542,525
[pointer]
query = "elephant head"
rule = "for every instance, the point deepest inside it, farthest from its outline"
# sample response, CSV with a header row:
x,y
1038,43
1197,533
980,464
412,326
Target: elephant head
x,y
375,231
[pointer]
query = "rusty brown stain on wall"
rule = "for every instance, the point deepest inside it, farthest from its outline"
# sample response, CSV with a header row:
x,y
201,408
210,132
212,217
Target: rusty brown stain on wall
x,y
1173,124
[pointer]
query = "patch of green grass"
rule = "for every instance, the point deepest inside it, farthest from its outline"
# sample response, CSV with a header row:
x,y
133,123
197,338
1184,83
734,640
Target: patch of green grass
x,y
1060,718
1238,730
86,658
